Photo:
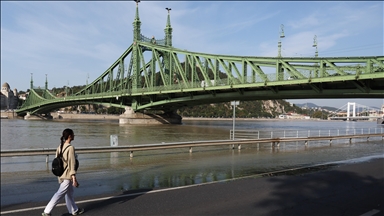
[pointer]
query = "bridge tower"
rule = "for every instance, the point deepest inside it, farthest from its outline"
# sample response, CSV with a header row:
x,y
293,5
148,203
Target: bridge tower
x,y
316,72
136,58
31,87
135,52
46,82
279,66
353,110
279,43
168,30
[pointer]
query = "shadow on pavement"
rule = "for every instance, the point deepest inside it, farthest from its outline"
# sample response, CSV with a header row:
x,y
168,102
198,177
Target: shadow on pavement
x,y
334,192
118,199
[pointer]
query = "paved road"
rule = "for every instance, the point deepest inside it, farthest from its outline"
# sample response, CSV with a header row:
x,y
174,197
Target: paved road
x,y
348,189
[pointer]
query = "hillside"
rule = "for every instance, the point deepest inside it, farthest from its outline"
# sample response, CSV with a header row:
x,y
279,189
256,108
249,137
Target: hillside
x,y
313,106
246,109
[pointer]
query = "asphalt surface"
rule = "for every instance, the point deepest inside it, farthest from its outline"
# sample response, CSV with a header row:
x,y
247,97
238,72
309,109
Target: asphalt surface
x,y
344,189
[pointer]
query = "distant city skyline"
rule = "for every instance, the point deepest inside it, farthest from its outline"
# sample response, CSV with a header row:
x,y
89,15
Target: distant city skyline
x,y
74,42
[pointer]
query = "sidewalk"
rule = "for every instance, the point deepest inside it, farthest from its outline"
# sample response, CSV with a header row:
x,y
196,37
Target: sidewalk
x,y
347,189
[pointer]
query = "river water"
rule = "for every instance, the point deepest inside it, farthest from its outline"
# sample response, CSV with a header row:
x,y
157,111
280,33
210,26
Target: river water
x,y
28,179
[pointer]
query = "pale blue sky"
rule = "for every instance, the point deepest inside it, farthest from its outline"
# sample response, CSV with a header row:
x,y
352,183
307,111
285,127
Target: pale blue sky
x,y
69,40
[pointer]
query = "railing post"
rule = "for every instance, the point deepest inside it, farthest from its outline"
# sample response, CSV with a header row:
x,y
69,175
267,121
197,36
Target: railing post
x,y
47,159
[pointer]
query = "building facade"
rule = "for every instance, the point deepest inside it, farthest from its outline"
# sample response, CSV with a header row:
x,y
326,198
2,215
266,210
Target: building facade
x,y
9,98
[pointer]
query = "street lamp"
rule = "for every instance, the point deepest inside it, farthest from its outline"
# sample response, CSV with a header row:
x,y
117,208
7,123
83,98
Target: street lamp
x,y
234,104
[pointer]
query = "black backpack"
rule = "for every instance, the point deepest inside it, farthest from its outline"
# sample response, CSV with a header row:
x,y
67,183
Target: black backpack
x,y
58,164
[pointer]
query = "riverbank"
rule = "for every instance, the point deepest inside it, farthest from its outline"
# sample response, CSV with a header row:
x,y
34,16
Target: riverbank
x,y
83,116
9,114
55,115
249,119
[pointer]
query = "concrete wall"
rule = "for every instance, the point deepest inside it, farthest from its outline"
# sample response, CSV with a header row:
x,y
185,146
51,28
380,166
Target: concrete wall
x,y
82,116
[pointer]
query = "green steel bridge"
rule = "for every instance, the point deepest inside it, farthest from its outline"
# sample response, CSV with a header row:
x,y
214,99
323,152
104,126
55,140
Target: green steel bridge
x,y
153,75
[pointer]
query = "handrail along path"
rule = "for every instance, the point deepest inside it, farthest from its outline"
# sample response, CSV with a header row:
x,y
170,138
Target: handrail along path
x,y
131,148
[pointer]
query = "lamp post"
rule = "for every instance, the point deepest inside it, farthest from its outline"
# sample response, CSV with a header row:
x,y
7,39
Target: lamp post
x,y
234,104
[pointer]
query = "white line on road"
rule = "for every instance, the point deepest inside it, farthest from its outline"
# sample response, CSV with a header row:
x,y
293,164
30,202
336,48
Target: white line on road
x,y
370,213
112,197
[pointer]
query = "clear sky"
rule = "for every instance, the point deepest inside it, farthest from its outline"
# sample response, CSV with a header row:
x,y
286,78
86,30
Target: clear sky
x,y
69,41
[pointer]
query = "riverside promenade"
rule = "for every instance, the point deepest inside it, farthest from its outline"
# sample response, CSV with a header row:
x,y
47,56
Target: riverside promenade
x,y
355,188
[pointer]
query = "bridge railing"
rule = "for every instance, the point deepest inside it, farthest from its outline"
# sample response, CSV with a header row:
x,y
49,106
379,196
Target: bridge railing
x,y
257,134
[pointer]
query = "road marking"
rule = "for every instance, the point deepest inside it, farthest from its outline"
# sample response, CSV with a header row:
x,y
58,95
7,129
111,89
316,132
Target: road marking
x,y
113,197
370,213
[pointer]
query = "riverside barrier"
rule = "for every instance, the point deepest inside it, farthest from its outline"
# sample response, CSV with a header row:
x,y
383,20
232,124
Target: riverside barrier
x,y
257,134
274,141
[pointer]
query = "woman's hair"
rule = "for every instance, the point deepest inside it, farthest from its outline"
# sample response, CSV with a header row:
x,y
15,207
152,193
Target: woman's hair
x,y
65,135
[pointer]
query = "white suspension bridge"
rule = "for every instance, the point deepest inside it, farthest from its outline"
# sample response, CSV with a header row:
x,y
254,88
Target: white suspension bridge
x,y
353,111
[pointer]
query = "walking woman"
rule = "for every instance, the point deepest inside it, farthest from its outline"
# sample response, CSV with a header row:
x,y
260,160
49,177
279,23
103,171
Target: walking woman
x,y
68,179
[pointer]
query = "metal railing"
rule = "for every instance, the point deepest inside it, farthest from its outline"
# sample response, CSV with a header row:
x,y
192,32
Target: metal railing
x,y
274,141
257,134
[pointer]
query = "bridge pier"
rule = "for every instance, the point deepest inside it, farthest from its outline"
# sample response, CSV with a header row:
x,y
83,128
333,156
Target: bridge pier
x,y
132,117
38,116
